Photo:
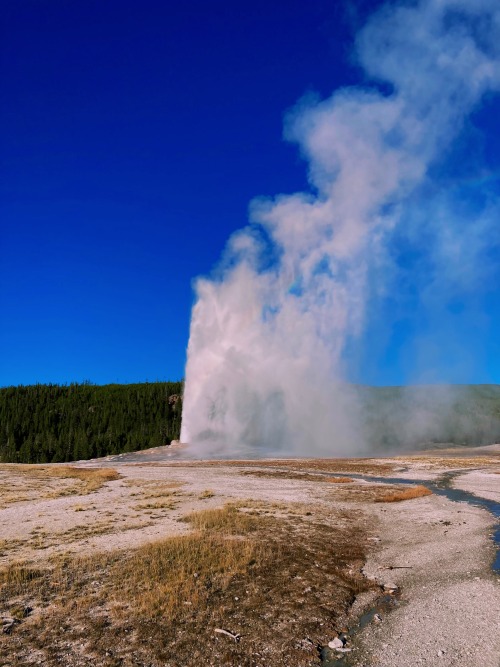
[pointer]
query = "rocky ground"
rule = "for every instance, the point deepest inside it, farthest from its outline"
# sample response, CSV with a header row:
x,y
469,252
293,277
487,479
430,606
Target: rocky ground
x,y
297,552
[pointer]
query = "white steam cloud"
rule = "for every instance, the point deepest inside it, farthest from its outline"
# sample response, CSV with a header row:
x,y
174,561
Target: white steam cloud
x,y
266,362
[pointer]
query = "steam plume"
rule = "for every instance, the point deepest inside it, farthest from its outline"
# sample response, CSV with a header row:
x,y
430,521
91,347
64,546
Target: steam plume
x,y
267,359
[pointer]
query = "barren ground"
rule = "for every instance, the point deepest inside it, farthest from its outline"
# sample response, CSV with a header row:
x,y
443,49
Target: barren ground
x,y
131,561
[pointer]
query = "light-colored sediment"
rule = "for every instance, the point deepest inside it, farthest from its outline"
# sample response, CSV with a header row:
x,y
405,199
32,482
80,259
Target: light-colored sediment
x,y
482,483
449,611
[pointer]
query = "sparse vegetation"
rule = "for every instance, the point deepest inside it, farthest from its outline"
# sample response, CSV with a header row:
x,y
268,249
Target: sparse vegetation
x,y
228,520
404,494
29,483
156,505
433,461
161,603
164,577
91,478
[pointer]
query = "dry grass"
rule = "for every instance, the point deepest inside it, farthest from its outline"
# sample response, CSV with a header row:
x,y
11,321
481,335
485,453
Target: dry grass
x,y
451,462
36,482
208,493
162,578
229,520
156,505
274,581
91,478
162,493
153,485
404,494
290,474
354,466
301,476
75,537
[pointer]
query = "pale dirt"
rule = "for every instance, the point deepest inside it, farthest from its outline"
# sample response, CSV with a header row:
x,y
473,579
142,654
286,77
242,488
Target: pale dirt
x,y
482,483
450,599
449,613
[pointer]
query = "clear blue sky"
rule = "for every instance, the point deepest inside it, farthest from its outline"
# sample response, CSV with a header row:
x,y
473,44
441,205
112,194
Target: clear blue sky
x,y
133,137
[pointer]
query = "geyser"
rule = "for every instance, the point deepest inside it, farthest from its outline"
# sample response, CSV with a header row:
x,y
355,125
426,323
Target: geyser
x,y
267,364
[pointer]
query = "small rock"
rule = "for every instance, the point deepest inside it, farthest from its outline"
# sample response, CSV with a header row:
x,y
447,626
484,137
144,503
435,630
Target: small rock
x,y
440,653
377,618
390,587
336,643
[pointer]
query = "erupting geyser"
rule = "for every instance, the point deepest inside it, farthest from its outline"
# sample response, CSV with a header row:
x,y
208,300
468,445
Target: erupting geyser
x,y
266,364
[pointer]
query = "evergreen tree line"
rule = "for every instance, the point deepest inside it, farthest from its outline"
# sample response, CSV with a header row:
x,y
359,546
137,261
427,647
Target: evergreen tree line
x,y
54,423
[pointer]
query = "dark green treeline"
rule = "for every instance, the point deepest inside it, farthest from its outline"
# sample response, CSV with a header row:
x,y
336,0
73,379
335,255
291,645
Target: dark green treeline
x,y
53,423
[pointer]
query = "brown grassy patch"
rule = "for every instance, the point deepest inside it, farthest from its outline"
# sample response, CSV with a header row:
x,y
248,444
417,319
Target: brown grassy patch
x,y
274,581
21,483
355,466
404,494
156,505
301,476
230,520
153,485
164,577
289,474
208,493
451,461
92,478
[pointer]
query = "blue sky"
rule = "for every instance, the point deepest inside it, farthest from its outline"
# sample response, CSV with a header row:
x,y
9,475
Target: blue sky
x,y
134,136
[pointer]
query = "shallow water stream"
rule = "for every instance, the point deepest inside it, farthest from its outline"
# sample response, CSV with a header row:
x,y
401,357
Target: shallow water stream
x,y
441,487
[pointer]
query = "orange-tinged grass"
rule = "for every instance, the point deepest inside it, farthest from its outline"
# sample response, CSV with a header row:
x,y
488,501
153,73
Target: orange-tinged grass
x,y
161,603
360,466
21,483
404,494
92,478
228,520
339,480
164,577
452,461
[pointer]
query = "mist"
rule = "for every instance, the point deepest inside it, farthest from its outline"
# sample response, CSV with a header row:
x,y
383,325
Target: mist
x,y
276,330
